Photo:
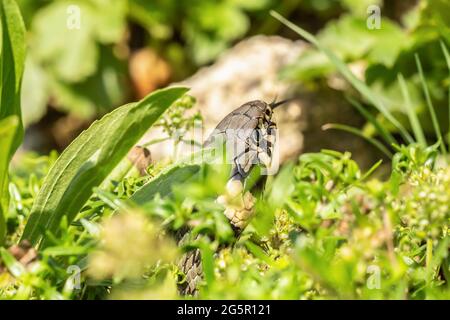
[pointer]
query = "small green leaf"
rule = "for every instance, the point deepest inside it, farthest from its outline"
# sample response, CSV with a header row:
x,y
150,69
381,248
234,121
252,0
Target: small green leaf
x,y
111,200
207,255
8,129
258,252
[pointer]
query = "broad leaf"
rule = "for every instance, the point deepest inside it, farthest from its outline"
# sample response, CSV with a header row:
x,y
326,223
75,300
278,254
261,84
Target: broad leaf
x,y
8,129
162,184
12,59
90,158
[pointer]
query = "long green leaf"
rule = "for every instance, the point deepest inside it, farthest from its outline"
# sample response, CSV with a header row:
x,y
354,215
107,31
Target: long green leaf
x,y
447,59
434,119
446,54
176,173
90,158
359,85
162,184
8,129
412,115
12,59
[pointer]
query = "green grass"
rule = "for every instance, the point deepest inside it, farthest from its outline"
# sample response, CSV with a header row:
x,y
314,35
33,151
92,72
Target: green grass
x,y
333,226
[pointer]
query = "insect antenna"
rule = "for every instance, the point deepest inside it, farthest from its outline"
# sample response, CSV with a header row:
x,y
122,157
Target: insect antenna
x,y
274,104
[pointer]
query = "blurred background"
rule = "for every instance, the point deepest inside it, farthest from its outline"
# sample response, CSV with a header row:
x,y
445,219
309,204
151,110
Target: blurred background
x,y
125,49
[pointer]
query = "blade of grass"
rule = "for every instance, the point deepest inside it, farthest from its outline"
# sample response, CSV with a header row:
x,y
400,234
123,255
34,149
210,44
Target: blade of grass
x,y
413,119
385,134
356,131
447,59
428,259
207,256
12,60
371,170
258,252
434,119
111,200
359,85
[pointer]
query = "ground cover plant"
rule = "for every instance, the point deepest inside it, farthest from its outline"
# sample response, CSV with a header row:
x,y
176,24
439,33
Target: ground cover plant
x,y
93,223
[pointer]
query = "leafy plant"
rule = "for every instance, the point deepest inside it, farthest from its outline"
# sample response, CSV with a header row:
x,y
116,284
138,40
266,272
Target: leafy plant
x,y
381,54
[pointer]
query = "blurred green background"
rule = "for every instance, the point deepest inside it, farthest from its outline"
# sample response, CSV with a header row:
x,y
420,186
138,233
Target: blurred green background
x,y
125,49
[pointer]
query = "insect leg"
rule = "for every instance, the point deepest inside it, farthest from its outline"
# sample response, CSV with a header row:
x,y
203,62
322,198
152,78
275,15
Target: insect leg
x,y
238,168
265,149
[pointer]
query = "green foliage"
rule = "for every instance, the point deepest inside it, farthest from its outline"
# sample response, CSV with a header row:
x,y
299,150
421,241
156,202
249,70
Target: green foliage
x,y
384,53
89,160
341,234
351,40
72,62
83,69
323,229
